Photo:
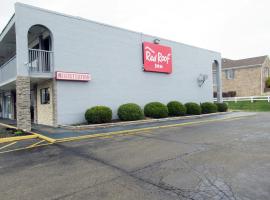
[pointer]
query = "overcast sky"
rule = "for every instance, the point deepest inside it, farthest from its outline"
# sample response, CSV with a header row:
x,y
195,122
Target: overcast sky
x,y
236,28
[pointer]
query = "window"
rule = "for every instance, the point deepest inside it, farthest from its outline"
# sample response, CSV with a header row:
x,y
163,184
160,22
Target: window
x,y
45,96
229,74
266,72
214,78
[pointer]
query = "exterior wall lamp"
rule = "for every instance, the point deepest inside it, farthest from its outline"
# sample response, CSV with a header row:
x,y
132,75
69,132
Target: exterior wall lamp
x,y
201,79
156,41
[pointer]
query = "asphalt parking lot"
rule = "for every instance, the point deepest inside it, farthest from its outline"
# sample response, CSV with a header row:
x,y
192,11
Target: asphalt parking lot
x,y
227,159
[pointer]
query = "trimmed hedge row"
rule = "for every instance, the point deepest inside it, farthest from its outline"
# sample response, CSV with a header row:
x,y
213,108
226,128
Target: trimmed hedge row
x,y
193,108
222,107
98,114
176,108
208,107
132,111
156,110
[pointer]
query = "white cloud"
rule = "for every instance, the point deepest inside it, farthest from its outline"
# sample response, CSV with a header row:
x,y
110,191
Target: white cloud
x,y
235,28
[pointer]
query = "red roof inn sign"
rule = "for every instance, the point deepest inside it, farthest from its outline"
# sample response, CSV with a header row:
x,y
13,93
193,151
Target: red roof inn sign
x,y
157,58
72,76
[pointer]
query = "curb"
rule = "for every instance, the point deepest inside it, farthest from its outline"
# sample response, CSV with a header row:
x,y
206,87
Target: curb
x,y
100,135
106,125
48,139
17,138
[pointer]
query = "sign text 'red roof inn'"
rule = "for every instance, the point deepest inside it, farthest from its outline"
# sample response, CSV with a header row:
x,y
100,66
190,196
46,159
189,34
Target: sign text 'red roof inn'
x,y
157,58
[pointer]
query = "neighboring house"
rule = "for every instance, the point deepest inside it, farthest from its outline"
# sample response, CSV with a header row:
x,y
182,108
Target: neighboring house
x,y
245,77
53,67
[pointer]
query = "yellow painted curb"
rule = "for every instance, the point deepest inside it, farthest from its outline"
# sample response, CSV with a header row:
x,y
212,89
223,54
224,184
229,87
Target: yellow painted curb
x,y
36,135
17,138
124,132
48,139
8,126
142,129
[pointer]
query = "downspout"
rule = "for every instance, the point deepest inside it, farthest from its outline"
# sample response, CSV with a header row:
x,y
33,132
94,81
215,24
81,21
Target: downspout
x,y
261,80
219,81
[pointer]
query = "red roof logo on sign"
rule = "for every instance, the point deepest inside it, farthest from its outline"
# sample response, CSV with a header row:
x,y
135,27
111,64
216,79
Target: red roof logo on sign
x,y
157,58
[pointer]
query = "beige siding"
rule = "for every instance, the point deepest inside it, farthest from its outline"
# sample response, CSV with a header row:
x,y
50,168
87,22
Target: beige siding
x,y
45,111
266,65
246,82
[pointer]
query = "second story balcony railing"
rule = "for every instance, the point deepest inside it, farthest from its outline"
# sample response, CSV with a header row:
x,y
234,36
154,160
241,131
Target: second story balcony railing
x,y
40,61
8,71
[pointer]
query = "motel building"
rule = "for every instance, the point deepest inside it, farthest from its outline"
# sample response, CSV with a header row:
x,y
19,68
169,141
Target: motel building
x,y
54,66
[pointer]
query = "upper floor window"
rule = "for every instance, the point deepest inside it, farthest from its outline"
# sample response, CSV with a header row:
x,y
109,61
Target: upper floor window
x,y
229,74
266,72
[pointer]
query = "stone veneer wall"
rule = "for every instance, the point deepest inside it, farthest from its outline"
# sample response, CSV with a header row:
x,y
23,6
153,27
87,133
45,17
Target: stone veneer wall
x,y
246,82
45,112
23,103
54,102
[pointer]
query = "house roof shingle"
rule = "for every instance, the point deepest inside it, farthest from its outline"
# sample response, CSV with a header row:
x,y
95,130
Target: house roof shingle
x,y
228,63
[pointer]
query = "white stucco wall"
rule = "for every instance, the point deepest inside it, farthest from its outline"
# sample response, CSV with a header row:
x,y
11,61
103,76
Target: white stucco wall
x,y
113,57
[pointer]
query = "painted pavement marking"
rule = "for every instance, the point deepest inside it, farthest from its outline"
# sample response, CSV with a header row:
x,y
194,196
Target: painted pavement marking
x,y
107,135
7,145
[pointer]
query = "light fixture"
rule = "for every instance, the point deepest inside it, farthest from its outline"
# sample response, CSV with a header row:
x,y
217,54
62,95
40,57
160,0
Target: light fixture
x,y
156,41
201,79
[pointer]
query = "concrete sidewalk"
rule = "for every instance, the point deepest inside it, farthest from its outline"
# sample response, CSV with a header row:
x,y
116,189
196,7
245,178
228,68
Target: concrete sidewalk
x,y
63,133
60,133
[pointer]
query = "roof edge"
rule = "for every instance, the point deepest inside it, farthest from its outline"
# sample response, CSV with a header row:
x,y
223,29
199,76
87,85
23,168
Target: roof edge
x,y
10,21
240,67
107,25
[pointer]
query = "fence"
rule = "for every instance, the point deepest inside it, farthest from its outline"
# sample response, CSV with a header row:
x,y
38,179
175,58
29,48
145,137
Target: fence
x,y
8,70
40,60
250,98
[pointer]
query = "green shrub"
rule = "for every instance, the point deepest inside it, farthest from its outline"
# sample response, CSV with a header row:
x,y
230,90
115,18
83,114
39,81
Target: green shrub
x,y
176,108
222,107
267,82
129,112
98,114
208,107
18,132
193,108
156,110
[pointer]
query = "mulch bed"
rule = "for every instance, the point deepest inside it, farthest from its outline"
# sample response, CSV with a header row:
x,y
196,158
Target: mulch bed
x,y
7,132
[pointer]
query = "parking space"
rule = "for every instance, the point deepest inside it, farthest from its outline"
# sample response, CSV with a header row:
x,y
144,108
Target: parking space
x,y
45,135
226,159
22,145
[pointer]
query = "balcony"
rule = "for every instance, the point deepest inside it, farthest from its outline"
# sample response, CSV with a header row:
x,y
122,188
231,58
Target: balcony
x,y
8,71
40,62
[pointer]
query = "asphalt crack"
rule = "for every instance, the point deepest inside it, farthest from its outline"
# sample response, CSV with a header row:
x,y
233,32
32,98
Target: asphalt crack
x,y
168,189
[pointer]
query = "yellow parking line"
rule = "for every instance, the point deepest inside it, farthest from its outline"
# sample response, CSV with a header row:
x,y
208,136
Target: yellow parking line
x,y
48,139
17,138
8,145
24,148
106,137
133,131
124,132
35,144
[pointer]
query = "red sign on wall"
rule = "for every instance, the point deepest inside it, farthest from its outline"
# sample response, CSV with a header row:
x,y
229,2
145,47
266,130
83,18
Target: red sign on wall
x,y
157,58
72,76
